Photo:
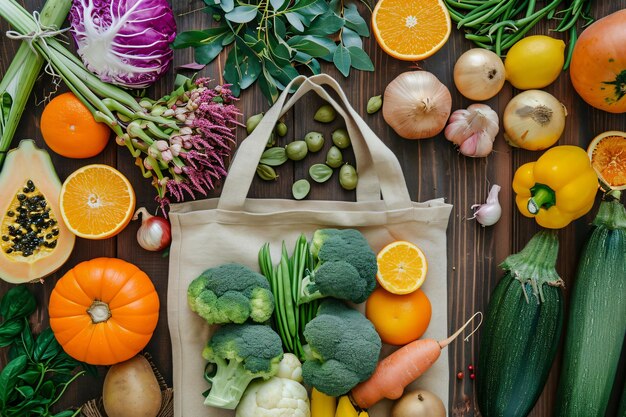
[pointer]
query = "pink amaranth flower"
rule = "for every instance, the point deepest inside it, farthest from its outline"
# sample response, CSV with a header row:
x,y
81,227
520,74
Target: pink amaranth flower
x,y
192,158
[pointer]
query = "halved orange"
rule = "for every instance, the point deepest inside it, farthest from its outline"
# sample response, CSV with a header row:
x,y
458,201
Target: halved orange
x,y
97,202
607,152
402,267
411,30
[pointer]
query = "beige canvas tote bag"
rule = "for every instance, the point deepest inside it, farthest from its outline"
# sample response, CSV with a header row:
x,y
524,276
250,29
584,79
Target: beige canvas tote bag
x,y
233,228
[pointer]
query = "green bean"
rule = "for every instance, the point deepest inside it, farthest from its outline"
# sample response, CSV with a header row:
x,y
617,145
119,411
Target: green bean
x,y
499,41
573,36
471,21
530,8
479,11
287,300
478,38
465,5
282,314
520,34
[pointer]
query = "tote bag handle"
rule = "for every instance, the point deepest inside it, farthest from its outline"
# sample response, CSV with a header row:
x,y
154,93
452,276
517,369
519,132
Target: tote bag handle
x,y
378,168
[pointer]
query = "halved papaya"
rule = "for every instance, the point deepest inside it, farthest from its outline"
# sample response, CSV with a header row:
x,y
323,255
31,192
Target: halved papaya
x,y
34,240
607,152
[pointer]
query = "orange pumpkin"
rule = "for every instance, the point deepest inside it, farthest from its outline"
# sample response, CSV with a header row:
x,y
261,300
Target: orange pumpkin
x,y
598,68
104,311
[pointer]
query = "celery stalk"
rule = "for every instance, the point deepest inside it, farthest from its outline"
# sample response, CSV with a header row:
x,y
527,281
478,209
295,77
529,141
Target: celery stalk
x,y
18,81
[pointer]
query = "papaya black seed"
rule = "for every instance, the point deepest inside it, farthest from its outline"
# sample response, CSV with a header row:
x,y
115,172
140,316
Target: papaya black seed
x,y
55,232
5,238
21,197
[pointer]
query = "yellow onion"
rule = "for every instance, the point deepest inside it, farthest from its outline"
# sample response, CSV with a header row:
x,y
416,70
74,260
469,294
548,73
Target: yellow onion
x,y
533,120
416,105
479,74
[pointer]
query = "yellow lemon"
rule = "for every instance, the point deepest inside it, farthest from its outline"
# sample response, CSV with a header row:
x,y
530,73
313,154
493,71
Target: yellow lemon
x,y
534,62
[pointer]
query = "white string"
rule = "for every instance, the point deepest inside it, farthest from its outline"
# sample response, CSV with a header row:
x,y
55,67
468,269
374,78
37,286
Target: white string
x,y
41,32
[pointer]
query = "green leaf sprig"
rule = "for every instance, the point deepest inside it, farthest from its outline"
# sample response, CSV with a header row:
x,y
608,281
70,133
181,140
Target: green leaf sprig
x,y
39,371
274,39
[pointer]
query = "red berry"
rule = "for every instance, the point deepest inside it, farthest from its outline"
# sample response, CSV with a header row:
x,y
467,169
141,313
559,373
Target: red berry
x,y
471,367
472,376
459,375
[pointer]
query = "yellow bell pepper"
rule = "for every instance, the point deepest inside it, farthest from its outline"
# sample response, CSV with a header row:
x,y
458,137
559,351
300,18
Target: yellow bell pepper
x,y
346,409
556,189
322,405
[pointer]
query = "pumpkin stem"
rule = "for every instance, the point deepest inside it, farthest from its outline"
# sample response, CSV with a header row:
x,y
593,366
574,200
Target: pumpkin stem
x,y
99,312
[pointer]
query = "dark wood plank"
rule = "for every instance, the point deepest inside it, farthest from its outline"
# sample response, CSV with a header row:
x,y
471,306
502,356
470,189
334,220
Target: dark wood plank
x,y
432,168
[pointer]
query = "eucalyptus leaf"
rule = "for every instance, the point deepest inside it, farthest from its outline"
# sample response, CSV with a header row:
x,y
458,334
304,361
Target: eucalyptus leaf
x,y
242,14
274,156
342,60
283,74
279,28
360,60
267,84
193,37
277,4
296,21
310,8
281,54
278,40
351,38
312,63
206,53
354,20
300,189
326,24
315,46
320,172
227,5
232,73
248,63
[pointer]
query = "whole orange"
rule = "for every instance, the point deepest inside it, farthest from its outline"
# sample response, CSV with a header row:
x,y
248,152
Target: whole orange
x,y
69,128
398,319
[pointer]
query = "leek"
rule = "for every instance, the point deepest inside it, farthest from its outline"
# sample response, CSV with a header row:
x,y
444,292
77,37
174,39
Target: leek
x,y
18,81
181,141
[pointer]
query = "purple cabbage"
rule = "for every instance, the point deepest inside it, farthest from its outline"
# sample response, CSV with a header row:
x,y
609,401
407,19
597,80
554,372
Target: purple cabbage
x,y
124,42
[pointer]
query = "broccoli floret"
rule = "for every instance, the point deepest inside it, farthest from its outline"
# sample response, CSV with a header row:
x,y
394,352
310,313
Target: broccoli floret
x,y
345,268
231,293
342,349
241,353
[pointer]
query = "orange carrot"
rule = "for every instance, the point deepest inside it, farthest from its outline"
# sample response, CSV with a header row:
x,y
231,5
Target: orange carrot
x,y
401,368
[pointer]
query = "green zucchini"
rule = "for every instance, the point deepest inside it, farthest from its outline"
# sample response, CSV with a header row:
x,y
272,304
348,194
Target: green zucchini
x,y
597,318
521,332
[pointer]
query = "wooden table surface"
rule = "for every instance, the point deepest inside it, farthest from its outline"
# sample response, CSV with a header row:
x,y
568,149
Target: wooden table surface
x,y
433,168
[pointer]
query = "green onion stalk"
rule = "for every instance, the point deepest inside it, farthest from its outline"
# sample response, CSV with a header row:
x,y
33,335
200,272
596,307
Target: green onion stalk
x,y
20,77
181,141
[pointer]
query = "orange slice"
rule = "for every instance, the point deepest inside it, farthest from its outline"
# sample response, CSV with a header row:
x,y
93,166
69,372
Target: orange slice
x,y
607,152
411,30
97,202
402,267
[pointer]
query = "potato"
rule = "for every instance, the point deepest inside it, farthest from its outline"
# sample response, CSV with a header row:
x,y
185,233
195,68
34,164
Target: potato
x,y
419,403
131,390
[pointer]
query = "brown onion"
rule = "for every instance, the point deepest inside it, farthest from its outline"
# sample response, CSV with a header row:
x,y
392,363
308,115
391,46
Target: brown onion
x,y
417,105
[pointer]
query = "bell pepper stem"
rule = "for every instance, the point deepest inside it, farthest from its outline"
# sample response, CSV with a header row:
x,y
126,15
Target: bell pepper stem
x,y
542,196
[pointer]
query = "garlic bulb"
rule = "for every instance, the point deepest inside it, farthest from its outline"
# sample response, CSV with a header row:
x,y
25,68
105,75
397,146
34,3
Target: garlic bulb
x,y
416,105
473,130
489,213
